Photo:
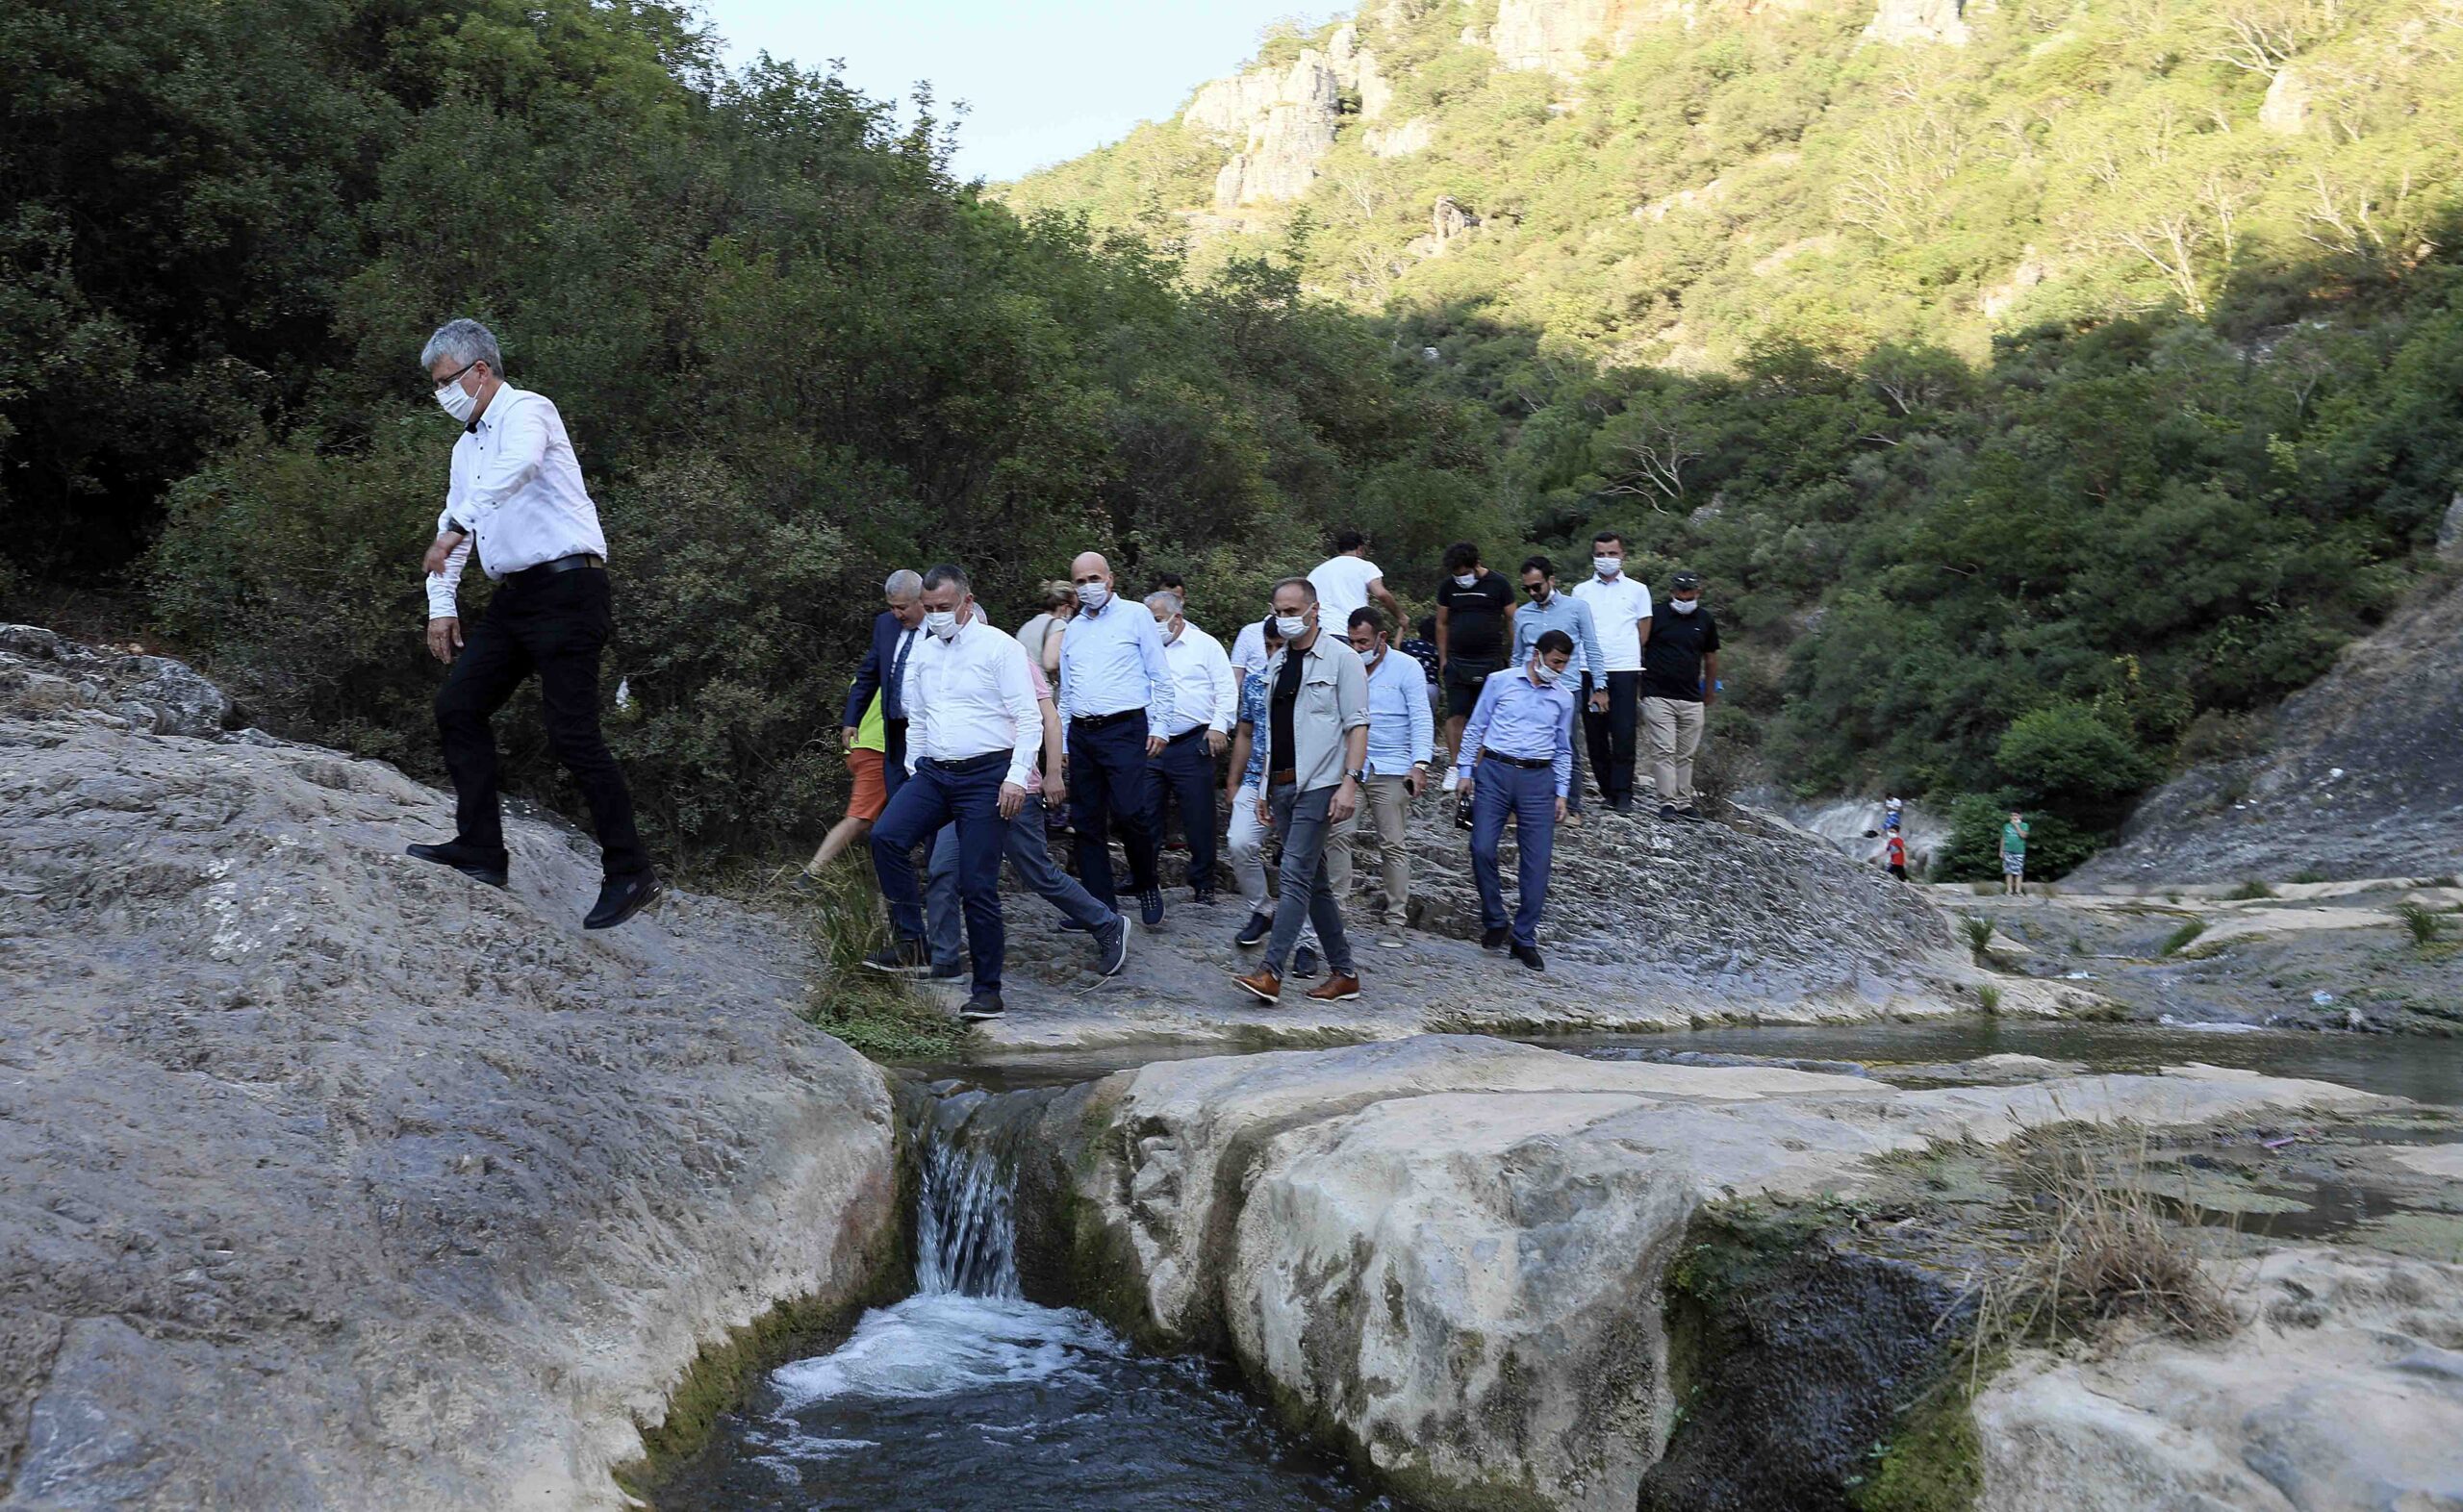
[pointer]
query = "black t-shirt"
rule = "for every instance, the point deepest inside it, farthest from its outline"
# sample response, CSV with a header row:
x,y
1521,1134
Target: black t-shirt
x,y
1475,616
1282,755
1672,662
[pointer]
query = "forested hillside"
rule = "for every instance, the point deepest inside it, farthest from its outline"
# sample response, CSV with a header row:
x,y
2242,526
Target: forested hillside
x,y
2042,388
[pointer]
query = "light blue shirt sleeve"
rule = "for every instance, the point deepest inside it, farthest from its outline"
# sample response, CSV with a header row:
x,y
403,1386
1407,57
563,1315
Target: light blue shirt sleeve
x,y
1423,722
1594,660
1476,731
1563,760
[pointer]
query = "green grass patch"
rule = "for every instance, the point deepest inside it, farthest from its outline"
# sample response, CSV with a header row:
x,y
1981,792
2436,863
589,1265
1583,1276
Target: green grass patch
x,y
2250,892
2427,926
2179,939
1989,998
881,1016
1978,933
2311,874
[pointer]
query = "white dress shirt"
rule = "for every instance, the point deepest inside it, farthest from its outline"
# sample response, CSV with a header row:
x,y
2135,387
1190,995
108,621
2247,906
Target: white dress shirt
x,y
1249,647
1204,690
1618,606
517,489
969,695
1111,660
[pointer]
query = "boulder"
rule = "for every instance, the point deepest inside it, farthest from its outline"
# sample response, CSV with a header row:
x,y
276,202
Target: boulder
x,y
2285,111
330,1178
1900,22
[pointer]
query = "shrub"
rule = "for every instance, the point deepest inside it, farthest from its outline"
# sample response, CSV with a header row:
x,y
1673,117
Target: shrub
x,y
2064,758
1973,852
2179,939
2427,927
2250,893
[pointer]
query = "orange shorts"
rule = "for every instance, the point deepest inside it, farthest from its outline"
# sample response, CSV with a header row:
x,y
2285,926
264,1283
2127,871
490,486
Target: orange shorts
x,y
872,792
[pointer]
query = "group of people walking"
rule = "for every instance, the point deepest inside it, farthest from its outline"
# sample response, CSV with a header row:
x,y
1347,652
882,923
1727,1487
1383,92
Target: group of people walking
x,y
1115,712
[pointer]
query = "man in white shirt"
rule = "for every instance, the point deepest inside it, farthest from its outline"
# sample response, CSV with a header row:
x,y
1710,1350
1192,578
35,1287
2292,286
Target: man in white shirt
x,y
971,733
1620,611
1348,580
1116,697
517,498
1206,702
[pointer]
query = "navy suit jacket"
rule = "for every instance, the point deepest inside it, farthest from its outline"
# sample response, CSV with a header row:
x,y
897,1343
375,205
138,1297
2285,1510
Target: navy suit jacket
x,y
870,677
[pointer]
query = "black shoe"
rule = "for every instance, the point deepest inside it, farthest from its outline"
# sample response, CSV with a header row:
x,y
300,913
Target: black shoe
x,y
1529,955
1667,813
1203,898
1111,946
1304,966
945,974
981,1007
1690,815
620,899
906,958
465,859
1495,939
1253,934
1149,907
1620,805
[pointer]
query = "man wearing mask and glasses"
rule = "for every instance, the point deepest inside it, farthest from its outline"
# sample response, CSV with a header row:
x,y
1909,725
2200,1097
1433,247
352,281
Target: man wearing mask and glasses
x,y
1116,702
1519,757
516,497
1549,607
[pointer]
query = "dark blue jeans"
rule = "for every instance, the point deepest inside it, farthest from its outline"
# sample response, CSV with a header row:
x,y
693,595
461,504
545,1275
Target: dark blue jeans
x,y
1184,775
1530,794
1030,853
1108,781
971,802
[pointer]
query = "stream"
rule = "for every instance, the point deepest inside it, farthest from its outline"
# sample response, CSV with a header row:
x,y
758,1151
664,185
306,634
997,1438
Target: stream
x,y
966,1394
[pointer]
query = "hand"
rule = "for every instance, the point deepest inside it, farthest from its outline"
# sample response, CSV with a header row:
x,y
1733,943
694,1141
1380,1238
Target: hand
x,y
1013,797
1231,798
1414,780
444,638
1217,742
1560,811
1266,811
1345,802
1056,791
847,734
1154,745
1599,701
442,549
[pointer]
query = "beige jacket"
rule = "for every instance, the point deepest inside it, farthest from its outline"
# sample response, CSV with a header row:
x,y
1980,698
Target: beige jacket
x,y
1333,702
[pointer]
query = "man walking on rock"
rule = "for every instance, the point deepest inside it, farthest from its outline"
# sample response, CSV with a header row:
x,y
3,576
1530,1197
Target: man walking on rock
x,y
1680,680
1474,631
1519,757
972,739
517,498
1620,610
1401,739
1316,750
883,670
1205,701
1116,697
1550,608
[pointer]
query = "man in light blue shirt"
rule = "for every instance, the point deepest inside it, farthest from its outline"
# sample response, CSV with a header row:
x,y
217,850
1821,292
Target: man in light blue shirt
x,y
1517,755
1116,693
1550,608
1402,734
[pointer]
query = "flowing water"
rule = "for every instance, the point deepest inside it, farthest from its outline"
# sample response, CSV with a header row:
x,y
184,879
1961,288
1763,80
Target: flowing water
x,y
966,1394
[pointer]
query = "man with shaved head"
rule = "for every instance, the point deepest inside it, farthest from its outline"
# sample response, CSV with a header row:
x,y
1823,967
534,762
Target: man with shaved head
x,y
1116,699
884,672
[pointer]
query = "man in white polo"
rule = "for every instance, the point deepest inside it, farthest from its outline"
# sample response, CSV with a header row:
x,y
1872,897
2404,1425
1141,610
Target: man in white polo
x,y
1620,611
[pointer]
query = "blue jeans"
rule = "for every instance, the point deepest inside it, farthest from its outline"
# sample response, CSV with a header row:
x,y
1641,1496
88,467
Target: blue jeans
x,y
970,804
1308,892
1030,853
1108,781
1530,794
1185,773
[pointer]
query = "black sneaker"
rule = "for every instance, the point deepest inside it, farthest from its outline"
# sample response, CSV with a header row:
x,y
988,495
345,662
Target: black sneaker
x,y
1304,965
468,860
950,972
981,1007
619,899
1149,907
1667,813
1253,934
1495,939
1529,955
906,958
1111,946
1620,805
1203,898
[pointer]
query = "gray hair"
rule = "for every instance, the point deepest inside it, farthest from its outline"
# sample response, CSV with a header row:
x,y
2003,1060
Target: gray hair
x,y
901,584
1166,600
463,340
947,575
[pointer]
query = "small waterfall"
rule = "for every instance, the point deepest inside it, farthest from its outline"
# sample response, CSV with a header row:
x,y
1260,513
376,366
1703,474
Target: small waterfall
x,y
966,1231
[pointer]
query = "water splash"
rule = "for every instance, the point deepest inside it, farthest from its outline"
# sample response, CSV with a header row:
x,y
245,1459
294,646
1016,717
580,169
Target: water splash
x,y
966,1231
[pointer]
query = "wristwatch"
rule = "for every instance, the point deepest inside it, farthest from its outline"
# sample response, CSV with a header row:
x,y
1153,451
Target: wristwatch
x,y
1359,777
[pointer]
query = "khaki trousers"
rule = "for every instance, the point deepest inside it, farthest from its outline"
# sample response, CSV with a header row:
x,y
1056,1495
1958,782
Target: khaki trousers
x,y
1674,727
1387,806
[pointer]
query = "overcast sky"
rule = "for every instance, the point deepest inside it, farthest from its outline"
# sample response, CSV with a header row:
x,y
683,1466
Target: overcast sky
x,y
1044,80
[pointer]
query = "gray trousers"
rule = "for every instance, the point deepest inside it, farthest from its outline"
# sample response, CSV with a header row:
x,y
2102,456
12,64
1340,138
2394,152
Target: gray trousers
x,y
1030,857
1308,892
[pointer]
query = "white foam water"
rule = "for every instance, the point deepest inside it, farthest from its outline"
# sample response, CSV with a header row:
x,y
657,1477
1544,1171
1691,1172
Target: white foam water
x,y
941,1344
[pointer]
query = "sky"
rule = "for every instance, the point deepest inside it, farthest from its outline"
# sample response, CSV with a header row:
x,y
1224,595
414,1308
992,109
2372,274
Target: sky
x,y
1044,80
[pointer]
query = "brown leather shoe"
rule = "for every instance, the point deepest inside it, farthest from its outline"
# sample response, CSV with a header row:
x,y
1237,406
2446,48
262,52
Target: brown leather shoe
x,y
1339,988
1263,984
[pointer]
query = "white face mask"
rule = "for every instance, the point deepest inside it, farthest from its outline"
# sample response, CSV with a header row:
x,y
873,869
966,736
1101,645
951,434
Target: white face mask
x,y
1685,606
942,622
1170,631
1292,626
1548,675
1093,595
1467,580
457,401
1608,566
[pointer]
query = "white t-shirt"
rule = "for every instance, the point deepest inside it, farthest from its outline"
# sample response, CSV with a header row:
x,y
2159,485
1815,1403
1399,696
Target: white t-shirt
x,y
1342,586
1618,605
1249,652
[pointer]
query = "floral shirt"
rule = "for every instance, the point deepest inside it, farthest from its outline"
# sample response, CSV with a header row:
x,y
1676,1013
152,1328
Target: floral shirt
x,y
1254,714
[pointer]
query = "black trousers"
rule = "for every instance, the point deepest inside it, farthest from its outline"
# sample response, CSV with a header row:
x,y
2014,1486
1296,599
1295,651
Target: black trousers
x,y
554,626
1610,735
1107,781
1184,775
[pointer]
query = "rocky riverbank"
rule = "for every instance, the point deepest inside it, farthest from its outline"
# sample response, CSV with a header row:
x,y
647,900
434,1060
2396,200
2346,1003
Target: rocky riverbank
x,y
331,1180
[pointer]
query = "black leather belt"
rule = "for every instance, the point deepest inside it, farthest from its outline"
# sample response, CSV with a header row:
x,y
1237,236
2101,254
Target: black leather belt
x,y
547,570
1526,763
968,765
1283,778
1188,735
1096,721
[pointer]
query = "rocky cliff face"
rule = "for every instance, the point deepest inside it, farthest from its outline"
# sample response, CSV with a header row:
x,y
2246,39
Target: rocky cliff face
x,y
332,1179
1283,119
2359,774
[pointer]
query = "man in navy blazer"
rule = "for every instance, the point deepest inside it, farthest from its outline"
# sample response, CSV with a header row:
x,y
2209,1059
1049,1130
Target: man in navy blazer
x,y
885,671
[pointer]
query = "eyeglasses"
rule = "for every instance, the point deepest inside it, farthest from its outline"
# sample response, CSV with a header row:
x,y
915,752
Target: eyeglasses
x,y
1534,589
456,375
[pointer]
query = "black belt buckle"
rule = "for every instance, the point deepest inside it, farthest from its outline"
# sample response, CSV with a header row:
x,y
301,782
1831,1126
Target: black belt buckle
x,y
1097,721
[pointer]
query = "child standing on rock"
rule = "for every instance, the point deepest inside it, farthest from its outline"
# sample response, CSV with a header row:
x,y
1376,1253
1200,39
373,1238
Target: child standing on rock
x,y
2014,855
1895,851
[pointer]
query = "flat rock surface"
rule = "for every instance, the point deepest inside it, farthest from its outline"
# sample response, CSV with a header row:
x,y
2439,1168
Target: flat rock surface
x,y
330,1178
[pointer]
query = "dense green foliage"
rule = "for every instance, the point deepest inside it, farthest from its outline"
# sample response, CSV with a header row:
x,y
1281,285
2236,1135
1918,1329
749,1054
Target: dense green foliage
x,y
792,351
2035,412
